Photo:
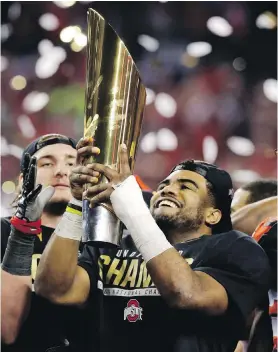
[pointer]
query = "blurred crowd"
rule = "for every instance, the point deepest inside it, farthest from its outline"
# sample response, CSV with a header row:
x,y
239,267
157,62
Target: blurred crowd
x,y
217,101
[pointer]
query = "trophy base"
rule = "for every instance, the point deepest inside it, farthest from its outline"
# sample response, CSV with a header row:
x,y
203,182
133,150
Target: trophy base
x,y
101,228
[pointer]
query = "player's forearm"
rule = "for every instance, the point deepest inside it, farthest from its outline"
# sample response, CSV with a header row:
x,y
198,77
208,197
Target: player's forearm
x,y
58,264
184,288
175,280
247,218
57,268
15,303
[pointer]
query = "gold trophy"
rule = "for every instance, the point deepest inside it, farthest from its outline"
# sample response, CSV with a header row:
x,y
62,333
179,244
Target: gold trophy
x,y
114,106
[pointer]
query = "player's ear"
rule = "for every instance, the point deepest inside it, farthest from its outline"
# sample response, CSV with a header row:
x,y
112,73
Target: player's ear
x,y
213,216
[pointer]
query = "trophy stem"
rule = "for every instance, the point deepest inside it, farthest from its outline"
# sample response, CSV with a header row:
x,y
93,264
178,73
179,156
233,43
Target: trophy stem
x,y
100,227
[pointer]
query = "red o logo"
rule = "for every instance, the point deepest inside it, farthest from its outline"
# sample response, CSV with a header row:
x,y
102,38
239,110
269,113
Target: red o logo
x,y
133,311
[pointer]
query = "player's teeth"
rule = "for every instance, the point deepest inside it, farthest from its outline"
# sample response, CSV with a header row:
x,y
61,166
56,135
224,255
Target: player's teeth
x,y
168,203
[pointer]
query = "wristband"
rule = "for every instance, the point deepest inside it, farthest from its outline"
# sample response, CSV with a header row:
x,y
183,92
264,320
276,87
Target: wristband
x,y
130,207
70,225
18,255
76,202
27,227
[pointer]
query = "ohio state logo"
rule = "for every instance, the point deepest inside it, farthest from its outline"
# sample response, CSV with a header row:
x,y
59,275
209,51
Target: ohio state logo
x,y
133,311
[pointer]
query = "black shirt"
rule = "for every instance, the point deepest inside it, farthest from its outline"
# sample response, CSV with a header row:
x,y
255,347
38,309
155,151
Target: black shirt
x,y
47,325
132,316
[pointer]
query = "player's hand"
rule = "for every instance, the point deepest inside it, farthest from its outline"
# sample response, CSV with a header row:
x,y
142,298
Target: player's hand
x,y
101,193
81,174
32,201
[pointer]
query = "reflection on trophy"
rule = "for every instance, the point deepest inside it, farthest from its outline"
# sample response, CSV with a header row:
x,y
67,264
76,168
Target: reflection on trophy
x,y
114,105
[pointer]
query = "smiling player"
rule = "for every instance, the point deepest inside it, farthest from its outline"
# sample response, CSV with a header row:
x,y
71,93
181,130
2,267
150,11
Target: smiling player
x,y
184,286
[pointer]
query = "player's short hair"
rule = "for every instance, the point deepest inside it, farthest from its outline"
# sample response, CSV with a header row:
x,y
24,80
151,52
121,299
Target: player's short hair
x,y
260,189
211,194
